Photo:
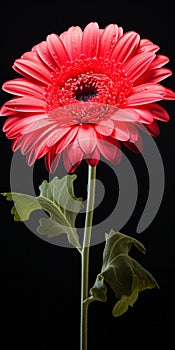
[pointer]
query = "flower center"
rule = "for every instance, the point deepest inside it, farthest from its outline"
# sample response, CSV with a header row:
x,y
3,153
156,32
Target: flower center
x,y
84,87
85,93
88,80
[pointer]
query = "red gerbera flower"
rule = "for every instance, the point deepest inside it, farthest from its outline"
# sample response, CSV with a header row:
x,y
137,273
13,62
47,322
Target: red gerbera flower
x,y
82,93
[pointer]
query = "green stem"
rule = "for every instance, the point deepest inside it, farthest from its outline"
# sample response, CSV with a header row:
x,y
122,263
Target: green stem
x,y
85,258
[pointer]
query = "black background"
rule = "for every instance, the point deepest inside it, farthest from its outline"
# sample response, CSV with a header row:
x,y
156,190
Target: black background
x,y
40,282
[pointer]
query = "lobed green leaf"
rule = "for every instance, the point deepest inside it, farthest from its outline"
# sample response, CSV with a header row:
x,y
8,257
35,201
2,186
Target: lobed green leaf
x,y
57,198
124,275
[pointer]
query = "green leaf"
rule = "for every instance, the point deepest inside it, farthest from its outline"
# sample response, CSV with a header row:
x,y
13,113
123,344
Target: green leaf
x,y
50,228
123,274
24,205
57,198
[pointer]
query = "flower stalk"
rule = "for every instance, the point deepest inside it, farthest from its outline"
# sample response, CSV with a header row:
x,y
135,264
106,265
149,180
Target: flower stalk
x,y
85,258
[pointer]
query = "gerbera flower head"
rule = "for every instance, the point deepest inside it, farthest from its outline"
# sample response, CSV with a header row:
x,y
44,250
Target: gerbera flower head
x,y
83,93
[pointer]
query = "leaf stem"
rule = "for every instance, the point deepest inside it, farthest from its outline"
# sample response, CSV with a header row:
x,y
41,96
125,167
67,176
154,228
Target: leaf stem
x,y
85,257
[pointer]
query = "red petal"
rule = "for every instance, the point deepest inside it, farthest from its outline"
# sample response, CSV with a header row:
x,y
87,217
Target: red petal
x,y
22,87
47,134
120,32
125,47
62,144
137,65
37,123
170,94
93,158
67,163
87,138
29,104
34,144
159,112
72,41
33,68
107,147
152,129
56,135
146,93
121,131
5,111
45,55
57,49
136,147
90,40
51,160
143,98
29,141
160,60
133,133
153,76
146,45
124,115
74,153
105,127
108,40
36,152
12,122
145,115
18,125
